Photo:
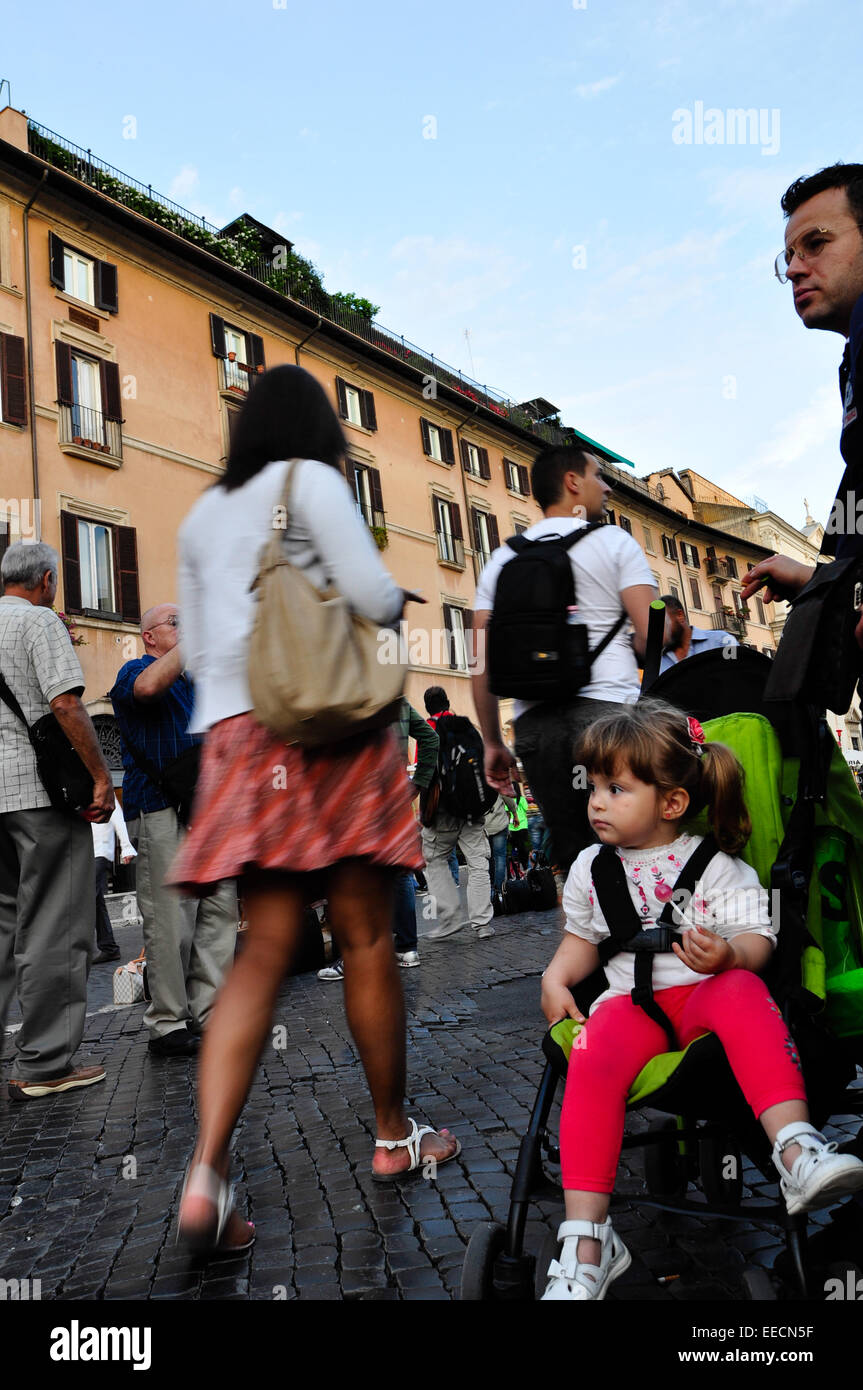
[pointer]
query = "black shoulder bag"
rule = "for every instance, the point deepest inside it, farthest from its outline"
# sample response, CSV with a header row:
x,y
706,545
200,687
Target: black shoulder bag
x,y
61,771
176,781
818,660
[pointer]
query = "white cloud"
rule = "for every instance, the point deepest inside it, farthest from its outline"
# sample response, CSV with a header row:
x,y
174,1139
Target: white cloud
x,y
285,221
588,90
803,434
185,184
236,197
456,274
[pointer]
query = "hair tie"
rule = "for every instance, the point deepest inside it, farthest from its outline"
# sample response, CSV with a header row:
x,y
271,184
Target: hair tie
x,y
696,736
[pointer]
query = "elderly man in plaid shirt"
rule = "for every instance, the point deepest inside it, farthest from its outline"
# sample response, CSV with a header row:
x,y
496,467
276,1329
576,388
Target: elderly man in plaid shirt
x,y
46,856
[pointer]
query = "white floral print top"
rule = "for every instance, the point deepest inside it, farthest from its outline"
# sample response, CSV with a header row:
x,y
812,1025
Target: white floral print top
x,y
728,899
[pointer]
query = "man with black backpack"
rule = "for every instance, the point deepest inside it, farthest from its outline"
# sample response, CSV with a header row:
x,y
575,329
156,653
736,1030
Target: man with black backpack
x,y
464,799
555,604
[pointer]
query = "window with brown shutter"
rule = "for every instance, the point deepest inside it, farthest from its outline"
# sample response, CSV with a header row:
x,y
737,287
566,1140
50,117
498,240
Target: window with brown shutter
x,y
484,467
71,563
111,403
127,596
447,446
256,350
105,286
454,626
4,536
55,257
63,358
341,397
695,592
367,410
13,388
426,437
217,336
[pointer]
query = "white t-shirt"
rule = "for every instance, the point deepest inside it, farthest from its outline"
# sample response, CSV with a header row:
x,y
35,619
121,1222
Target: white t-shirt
x,y
603,564
728,899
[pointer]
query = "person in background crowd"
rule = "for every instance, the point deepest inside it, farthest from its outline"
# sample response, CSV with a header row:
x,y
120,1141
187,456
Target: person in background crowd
x,y
519,835
497,829
611,578
409,725
104,844
535,822
289,838
682,639
46,856
823,262
188,946
441,839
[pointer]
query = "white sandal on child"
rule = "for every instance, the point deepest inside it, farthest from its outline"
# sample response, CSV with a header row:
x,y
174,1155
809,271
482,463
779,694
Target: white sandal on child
x,y
819,1176
571,1281
412,1144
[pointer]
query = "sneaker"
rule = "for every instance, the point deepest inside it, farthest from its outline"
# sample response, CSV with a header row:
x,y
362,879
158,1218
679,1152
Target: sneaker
x,y
571,1281
445,929
820,1175
407,959
30,1090
484,931
333,972
178,1043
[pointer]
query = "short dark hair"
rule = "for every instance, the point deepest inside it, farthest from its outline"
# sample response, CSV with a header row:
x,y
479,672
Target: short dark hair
x,y
435,699
847,176
287,414
551,466
673,603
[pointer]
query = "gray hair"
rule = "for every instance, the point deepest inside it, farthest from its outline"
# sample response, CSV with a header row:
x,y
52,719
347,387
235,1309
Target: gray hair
x,y
25,562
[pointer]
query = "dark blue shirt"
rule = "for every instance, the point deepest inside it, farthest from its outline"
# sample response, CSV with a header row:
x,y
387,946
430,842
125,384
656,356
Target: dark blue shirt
x,y
158,728
844,531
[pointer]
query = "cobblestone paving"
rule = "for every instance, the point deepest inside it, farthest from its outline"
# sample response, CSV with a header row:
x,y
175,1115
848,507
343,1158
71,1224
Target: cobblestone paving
x,y
90,1181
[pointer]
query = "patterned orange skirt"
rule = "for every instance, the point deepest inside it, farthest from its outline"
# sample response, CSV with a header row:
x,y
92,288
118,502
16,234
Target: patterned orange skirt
x,y
270,805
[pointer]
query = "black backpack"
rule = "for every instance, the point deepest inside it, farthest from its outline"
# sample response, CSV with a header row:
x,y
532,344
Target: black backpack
x,y
534,653
464,792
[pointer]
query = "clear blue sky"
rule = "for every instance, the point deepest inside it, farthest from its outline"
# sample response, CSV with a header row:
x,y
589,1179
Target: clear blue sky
x,y
666,337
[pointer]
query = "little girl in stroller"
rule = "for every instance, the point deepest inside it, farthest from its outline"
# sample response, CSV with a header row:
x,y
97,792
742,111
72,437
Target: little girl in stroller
x,y
648,769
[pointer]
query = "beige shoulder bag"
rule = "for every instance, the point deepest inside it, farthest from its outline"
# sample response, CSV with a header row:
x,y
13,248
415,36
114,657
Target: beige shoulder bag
x,y
318,672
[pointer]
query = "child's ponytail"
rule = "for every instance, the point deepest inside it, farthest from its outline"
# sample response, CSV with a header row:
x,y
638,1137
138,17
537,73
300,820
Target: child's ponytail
x,y
721,790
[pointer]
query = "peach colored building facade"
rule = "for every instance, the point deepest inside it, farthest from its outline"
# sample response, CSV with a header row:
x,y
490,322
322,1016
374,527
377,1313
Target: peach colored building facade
x,y
126,351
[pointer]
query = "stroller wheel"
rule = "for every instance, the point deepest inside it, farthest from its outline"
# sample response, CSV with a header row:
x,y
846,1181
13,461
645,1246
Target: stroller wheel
x,y
485,1244
548,1251
665,1167
759,1285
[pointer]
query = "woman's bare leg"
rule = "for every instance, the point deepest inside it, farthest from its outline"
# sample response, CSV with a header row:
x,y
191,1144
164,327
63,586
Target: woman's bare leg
x,y
360,909
240,1025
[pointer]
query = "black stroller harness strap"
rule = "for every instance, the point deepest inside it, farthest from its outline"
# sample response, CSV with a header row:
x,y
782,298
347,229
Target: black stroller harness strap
x,y
624,923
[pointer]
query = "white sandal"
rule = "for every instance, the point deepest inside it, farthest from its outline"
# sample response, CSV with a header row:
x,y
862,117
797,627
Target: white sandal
x,y
819,1176
571,1281
412,1144
203,1181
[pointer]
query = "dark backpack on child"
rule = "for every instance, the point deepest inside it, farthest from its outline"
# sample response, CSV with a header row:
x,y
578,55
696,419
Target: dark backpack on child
x,y
464,792
534,653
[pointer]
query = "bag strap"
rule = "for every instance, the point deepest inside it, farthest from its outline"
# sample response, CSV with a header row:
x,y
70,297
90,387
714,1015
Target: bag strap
x,y
150,771
9,699
612,632
521,543
272,552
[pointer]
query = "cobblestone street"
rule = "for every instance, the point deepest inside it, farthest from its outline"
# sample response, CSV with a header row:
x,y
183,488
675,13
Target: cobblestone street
x,y
90,1181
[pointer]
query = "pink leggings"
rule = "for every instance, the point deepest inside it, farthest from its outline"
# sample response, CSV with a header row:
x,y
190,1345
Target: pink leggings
x,y
619,1039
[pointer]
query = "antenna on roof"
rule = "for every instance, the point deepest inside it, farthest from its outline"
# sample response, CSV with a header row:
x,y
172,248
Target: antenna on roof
x,y
469,352
4,82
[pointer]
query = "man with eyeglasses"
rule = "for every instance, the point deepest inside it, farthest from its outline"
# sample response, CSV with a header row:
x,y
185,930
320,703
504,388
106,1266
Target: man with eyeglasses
x,y
823,262
188,946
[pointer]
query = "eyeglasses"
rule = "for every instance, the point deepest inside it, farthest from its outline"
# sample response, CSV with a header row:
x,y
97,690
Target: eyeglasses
x,y
808,248
166,622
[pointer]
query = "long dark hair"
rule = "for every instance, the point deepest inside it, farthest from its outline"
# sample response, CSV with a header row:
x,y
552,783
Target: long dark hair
x,y
287,415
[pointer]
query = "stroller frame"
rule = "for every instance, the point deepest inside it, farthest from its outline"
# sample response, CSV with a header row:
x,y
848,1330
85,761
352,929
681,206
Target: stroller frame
x,y
496,1265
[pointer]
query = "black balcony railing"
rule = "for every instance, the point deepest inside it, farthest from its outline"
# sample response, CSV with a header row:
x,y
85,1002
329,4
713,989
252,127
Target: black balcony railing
x,y
374,518
235,376
719,570
450,550
88,428
727,620
141,198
